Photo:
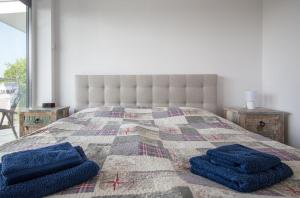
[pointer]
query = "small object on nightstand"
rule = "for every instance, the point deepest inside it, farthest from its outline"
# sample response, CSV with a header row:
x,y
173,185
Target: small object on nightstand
x,y
250,97
48,105
32,119
266,122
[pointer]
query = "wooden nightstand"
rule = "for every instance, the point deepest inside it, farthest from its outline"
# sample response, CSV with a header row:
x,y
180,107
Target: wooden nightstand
x,y
32,119
266,122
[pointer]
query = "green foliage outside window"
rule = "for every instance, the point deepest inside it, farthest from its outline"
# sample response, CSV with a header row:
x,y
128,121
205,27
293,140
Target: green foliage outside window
x,y
16,72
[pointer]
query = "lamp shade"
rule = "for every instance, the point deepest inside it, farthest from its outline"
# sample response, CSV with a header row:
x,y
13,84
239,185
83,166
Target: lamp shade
x,y
250,96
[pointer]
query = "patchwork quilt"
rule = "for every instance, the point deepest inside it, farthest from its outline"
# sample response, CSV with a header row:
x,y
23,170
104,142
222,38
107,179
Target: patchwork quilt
x,y
145,152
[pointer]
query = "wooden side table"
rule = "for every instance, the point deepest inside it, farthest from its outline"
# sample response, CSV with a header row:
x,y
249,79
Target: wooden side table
x,y
266,122
32,119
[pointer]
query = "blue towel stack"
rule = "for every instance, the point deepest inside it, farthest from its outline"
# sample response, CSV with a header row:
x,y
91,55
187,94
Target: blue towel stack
x,y
240,168
40,172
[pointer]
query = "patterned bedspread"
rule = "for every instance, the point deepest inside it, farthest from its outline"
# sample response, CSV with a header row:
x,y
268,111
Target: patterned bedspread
x,y
145,152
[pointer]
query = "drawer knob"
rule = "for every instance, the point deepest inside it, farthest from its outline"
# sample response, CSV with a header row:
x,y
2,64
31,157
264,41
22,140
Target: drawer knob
x,y
261,125
37,120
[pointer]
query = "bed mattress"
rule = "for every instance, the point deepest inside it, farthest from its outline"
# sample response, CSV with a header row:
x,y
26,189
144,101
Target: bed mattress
x,y
145,152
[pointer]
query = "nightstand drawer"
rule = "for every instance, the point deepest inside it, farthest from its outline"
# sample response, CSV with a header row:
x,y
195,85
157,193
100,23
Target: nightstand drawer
x,y
260,122
33,120
269,126
266,122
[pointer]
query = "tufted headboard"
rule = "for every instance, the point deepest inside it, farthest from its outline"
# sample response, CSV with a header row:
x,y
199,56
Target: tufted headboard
x,y
198,90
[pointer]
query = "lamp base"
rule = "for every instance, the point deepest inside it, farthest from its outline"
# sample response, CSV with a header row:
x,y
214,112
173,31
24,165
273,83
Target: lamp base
x,y
250,105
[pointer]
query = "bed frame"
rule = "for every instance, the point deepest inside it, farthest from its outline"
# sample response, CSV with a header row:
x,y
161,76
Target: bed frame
x,y
198,90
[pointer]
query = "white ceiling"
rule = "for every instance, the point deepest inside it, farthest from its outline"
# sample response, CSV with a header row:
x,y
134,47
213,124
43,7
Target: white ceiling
x,y
13,13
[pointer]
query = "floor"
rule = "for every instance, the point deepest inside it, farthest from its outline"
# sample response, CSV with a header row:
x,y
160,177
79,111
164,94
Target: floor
x,y
7,135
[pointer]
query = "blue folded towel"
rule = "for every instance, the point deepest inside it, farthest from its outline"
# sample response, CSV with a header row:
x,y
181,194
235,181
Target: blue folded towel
x,y
242,159
239,181
25,165
51,183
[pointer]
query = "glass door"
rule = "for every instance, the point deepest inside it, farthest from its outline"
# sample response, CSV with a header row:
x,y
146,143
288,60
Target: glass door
x,y
13,54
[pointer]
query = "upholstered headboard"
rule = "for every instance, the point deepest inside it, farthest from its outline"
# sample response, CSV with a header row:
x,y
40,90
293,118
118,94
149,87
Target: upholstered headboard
x,y
199,90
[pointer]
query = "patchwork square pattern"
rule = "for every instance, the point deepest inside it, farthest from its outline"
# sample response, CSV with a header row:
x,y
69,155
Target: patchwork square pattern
x,y
289,188
254,145
74,120
131,115
227,137
125,145
170,112
180,134
160,114
192,137
282,154
85,187
117,112
191,134
206,122
170,129
109,130
171,137
173,111
140,122
149,150
86,133
98,152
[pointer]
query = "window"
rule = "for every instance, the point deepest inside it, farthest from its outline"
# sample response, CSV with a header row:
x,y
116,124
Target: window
x,y
14,53
14,63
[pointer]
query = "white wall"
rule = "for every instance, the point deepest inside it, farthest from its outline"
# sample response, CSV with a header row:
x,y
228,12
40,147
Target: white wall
x,y
43,59
250,44
159,37
281,61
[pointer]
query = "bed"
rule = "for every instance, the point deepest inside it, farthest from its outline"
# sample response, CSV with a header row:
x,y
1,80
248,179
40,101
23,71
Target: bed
x,y
142,130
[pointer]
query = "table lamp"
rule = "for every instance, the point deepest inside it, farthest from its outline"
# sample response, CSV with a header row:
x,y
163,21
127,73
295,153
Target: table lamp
x,y
250,97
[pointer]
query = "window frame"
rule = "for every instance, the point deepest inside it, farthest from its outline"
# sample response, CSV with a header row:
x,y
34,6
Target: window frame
x,y
28,53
